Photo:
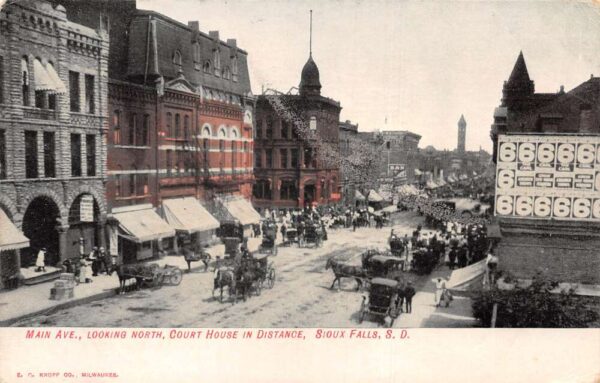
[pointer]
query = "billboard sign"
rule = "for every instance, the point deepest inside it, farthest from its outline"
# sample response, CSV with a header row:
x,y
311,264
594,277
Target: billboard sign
x,y
548,177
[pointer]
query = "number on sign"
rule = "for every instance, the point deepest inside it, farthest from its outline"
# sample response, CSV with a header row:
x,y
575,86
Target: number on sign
x,y
596,209
562,207
526,152
581,208
506,179
545,153
504,205
524,206
508,152
585,153
542,207
566,154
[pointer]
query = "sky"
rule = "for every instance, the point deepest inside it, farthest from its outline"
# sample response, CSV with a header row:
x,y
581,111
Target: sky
x,y
408,65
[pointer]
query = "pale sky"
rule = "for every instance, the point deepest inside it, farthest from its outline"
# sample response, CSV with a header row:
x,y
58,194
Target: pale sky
x,y
420,64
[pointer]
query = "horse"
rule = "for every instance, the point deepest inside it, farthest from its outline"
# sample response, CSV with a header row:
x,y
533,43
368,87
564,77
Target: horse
x,y
192,257
224,277
125,273
342,270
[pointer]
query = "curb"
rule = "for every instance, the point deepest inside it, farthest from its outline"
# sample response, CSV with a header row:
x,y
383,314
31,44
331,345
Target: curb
x,y
74,302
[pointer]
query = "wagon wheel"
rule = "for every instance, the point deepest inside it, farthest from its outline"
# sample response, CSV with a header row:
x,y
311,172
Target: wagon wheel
x,y
271,278
158,280
176,276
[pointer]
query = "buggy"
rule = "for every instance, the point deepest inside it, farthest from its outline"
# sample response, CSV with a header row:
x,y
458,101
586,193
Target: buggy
x,y
312,234
265,270
268,240
381,301
383,266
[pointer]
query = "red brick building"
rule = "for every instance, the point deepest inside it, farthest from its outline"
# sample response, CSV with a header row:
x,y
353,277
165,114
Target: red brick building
x,y
288,168
181,116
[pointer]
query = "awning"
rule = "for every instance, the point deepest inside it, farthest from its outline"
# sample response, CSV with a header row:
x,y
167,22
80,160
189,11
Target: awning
x,y
59,86
431,185
418,172
358,195
242,210
188,215
43,81
374,196
144,225
11,238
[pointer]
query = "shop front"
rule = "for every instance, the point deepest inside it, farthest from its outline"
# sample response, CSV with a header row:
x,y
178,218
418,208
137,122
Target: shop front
x,y
12,241
241,210
140,233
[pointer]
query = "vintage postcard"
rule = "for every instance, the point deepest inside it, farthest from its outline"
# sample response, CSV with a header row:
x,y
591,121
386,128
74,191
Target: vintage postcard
x,y
191,185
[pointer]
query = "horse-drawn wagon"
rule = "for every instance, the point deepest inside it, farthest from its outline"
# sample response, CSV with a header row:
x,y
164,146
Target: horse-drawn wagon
x,y
148,274
313,233
269,232
381,301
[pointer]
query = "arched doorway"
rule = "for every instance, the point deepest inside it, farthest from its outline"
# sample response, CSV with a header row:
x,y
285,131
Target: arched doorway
x,y
83,215
39,225
310,192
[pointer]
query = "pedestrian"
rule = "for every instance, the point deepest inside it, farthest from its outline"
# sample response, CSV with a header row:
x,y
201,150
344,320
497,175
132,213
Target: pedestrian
x,y
283,231
409,293
462,256
40,261
84,271
354,224
93,257
440,287
452,258
105,262
492,264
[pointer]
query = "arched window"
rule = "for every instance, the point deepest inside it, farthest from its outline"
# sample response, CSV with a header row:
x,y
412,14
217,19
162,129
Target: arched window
x,y
118,182
144,131
234,66
169,124
217,59
226,73
221,154
206,132
177,125
116,122
206,66
25,80
197,56
186,127
234,133
177,60
132,181
132,128
222,132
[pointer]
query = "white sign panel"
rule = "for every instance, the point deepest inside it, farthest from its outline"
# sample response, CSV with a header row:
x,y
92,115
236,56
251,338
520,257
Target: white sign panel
x,y
86,208
548,177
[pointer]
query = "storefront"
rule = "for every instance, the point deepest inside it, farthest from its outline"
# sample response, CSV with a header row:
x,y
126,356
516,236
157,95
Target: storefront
x,y
11,241
241,210
140,233
193,224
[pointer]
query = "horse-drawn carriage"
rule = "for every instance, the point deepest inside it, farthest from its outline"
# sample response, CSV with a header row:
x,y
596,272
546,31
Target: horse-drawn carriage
x,y
148,274
381,301
424,261
313,233
269,232
247,276
383,266
397,246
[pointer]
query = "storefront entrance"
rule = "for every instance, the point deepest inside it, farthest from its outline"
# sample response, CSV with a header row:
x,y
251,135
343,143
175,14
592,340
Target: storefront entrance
x,y
39,225
310,192
83,218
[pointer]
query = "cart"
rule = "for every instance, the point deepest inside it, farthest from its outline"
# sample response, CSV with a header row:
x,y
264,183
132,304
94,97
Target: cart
x,y
265,269
381,301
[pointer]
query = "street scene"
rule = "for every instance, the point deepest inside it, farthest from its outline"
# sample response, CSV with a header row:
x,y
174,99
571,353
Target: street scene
x,y
155,173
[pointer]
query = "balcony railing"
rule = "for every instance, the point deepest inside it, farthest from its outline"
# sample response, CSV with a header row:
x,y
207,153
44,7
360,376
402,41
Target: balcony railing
x,y
39,114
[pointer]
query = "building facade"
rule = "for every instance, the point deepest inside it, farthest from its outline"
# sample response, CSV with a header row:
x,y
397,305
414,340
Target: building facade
x,y
53,124
462,134
180,111
291,130
566,249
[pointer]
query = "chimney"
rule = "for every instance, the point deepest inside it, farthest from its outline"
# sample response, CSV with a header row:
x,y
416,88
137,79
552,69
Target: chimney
x,y
586,118
232,43
214,35
562,89
194,26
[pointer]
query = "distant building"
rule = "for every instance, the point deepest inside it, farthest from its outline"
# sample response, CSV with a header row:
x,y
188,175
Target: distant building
x,y
348,180
53,122
462,134
288,169
535,239
400,150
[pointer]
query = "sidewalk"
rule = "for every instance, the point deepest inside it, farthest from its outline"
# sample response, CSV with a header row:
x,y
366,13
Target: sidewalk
x,y
425,314
28,301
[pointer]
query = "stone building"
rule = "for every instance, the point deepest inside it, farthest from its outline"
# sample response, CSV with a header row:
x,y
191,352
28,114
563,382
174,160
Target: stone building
x,y
53,122
565,248
349,182
289,170
462,134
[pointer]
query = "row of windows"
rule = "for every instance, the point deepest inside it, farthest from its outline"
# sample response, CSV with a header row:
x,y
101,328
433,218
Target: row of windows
x,y
266,128
46,98
209,66
310,158
288,189
131,185
137,134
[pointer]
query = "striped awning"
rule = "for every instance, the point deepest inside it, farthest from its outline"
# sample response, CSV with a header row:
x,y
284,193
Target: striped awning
x,y
11,238
42,79
59,86
242,210
188,215
144,225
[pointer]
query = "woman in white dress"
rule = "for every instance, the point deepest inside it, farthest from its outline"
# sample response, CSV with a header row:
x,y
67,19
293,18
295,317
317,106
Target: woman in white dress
x,y
440,286
40,261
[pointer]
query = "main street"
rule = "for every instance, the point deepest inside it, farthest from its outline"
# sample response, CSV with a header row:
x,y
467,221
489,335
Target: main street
x,y
300,298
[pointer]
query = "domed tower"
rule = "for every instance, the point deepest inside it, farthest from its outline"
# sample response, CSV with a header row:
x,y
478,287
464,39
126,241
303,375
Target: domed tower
x,y
310,85
462,134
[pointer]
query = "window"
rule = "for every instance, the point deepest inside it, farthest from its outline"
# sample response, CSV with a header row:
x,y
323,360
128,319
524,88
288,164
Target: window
x,y
288,190
177,125
294,158
74,91
132,181
169,161
31,154
313,123
169,124
294,133
284,129
177,61
262,189
90,145
197,56
206,66
283,158
258,159
117,127
142,134
234,68
323,189
132,128
259,130
221,154
75,155
25,80
1,79
49,149
269,128
217,59
269,158
118,185
226,73
307,157
205,147
142,184
233,154
206,131
186,127
90,106
2,155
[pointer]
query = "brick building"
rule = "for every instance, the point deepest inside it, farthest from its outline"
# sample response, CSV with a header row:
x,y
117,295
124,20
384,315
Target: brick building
x,y
288,169
349,182
181,120
53,122
567,249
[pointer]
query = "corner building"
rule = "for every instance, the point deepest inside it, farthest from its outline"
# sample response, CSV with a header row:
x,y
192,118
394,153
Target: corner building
x,y
53,123
287,167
